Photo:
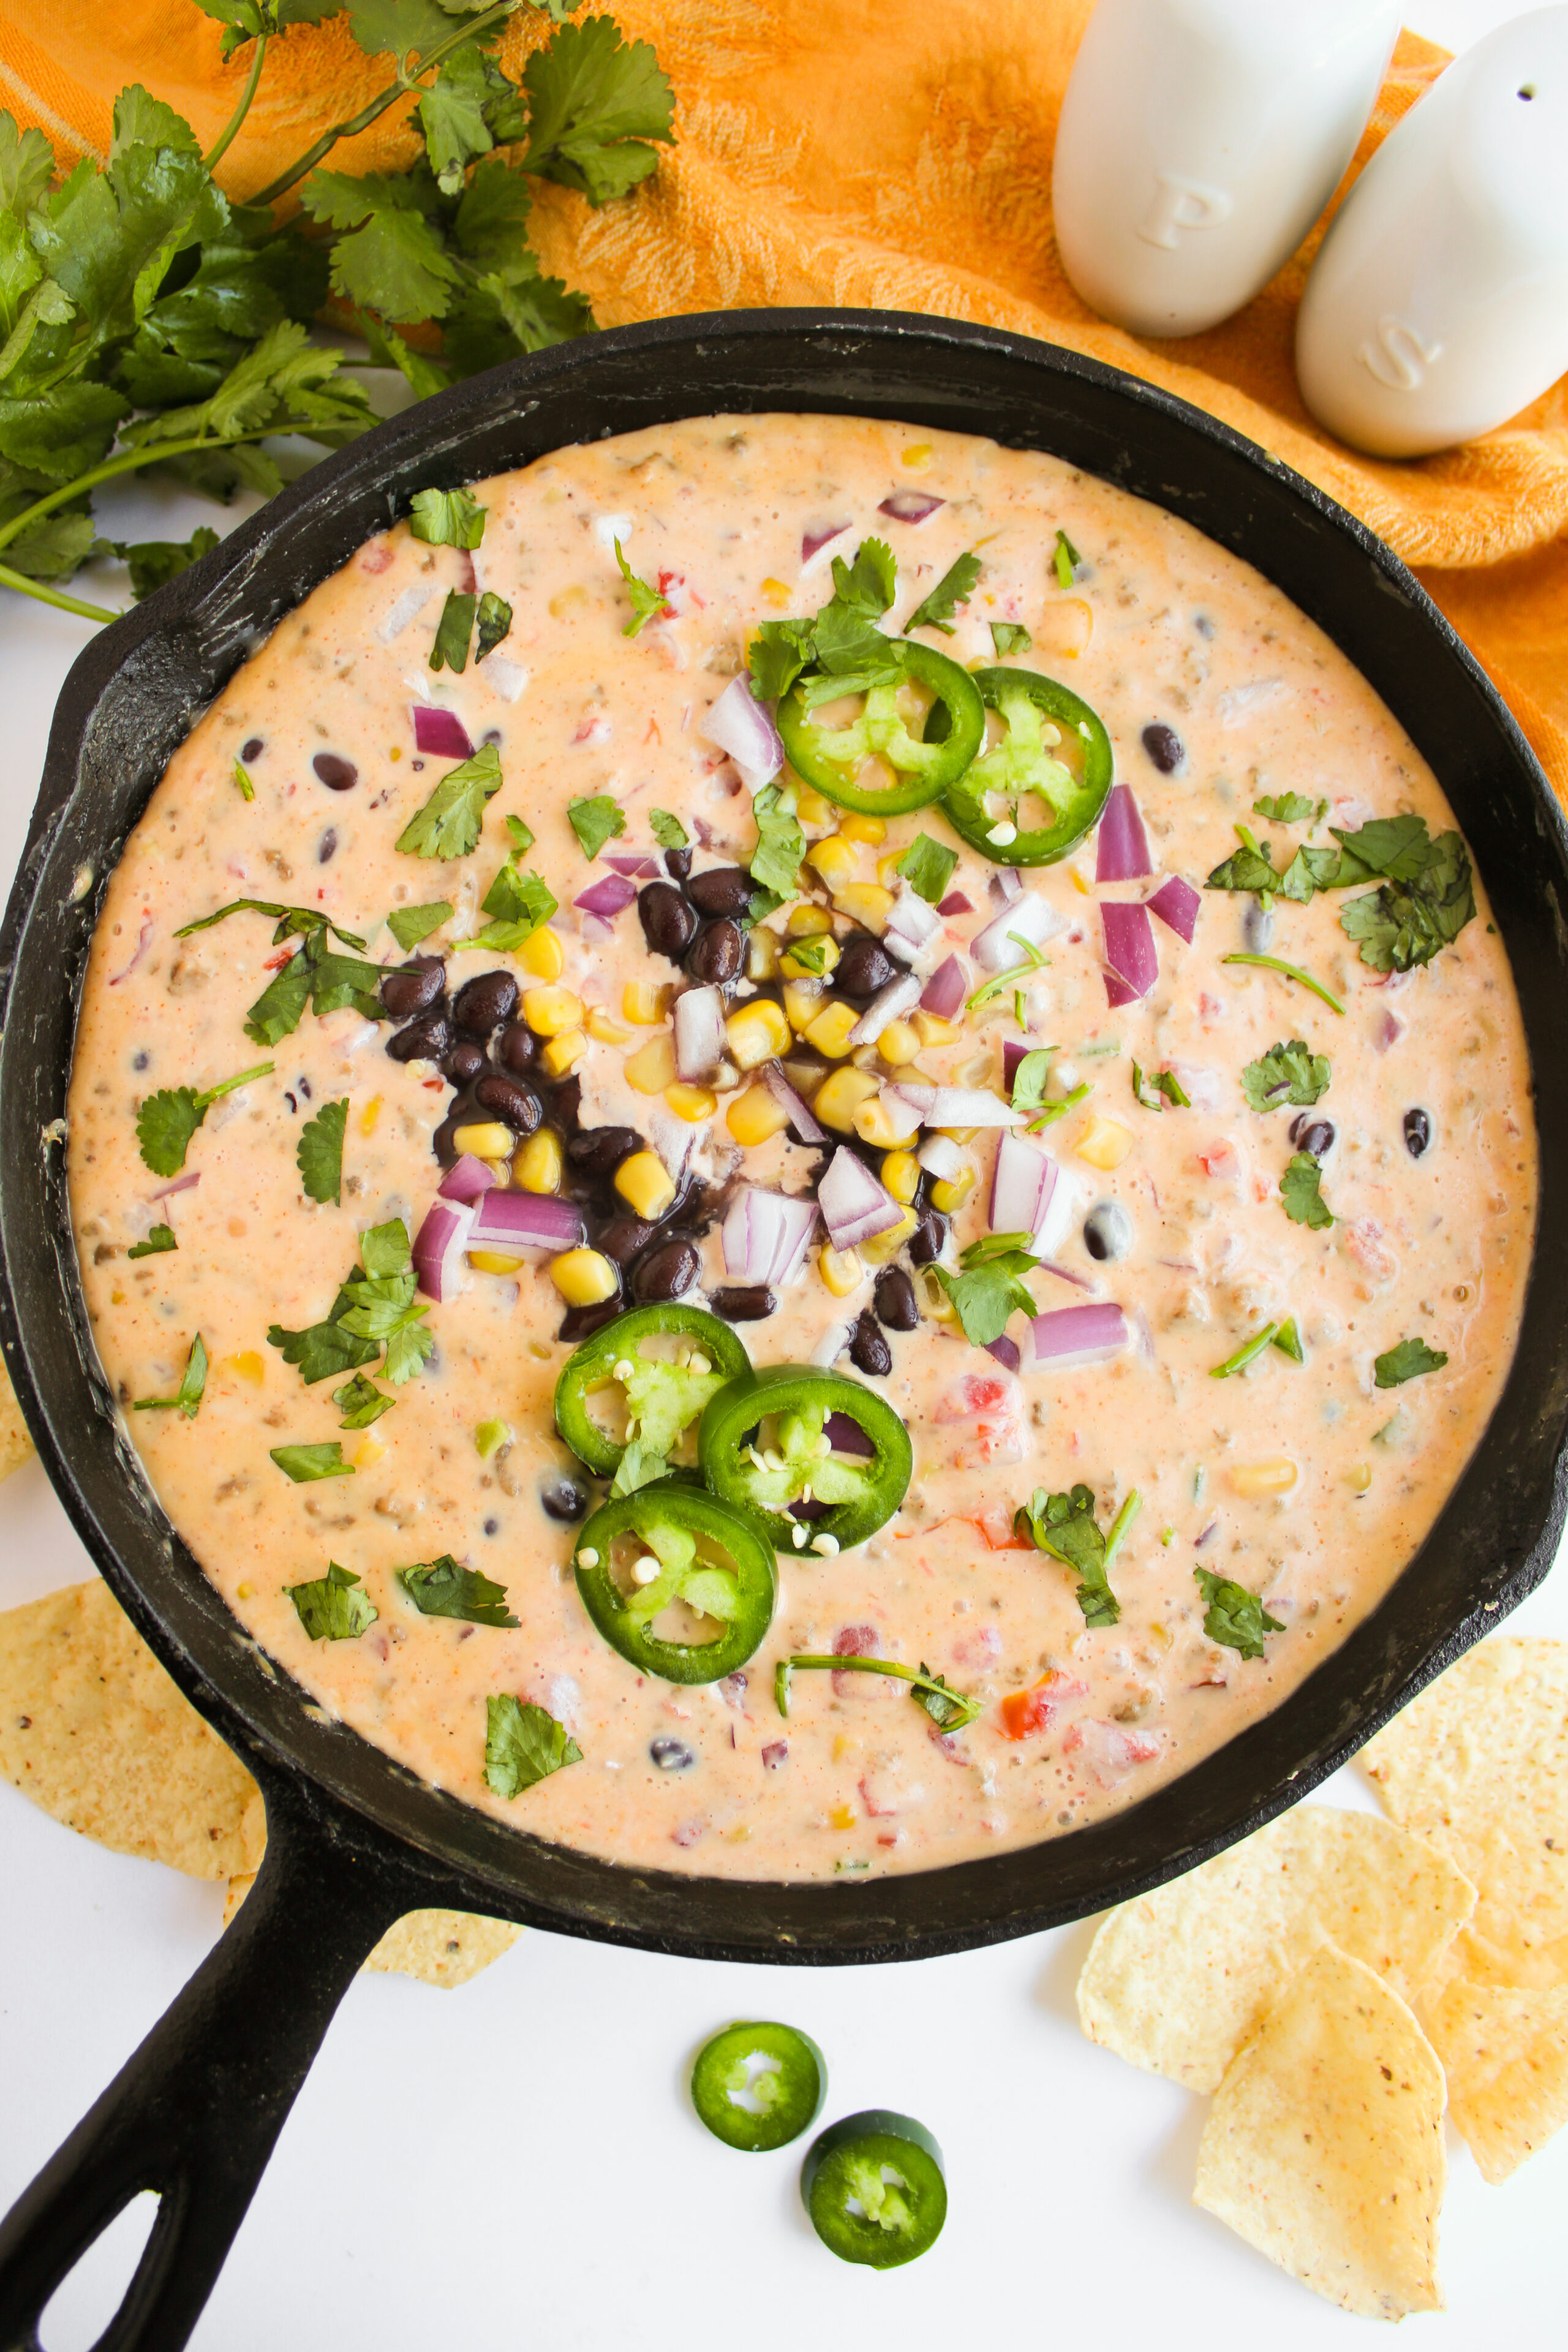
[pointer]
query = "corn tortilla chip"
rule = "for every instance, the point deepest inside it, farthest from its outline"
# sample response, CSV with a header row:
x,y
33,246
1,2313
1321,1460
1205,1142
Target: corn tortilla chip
x,y
1505,2052
1176,1980
1479,1766
94,1731
15,1443
439,1948
1324,2146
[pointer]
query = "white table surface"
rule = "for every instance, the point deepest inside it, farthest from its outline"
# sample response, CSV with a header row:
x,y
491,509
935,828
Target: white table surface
x,y
516,2158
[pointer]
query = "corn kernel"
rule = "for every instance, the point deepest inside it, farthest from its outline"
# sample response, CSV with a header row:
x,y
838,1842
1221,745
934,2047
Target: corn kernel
x,y
761,953
865,1058
541,955
499,1169
567,601
693,1104
881,1247
917,456
778,594
845,1746
840,1095
901,1176
247,1592
582,1278
869,829
812,808
829,1033
802,1002
550,1012
1358,1478
645,1184
248,1367
1065,627
643,1003
865,902
933,1299
932,1029
756,1032
494,1261
1080,882
822,954
884,1123
805,920
366,1457
486,1139
539,1165
835,860
490,1435
959,1134
898,1043
652,1067
1273,1477
608,1032
564,1053
841,1270
841,1817
369,1116
1103,1142
953,1195
887,873
756,1115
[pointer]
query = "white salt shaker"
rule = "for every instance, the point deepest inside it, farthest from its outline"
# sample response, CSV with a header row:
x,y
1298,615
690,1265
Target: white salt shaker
x,y
1199,141
1438,306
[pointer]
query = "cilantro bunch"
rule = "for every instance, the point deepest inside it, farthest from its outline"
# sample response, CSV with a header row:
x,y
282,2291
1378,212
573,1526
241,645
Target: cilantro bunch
x,y
1425,900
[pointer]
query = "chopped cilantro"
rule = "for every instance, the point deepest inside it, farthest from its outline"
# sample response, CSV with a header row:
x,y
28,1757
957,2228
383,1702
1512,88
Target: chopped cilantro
x,y
1408,921
781,845
842,641
645,601
448,824
1247,869
954,588
321,1152
360,1402
1300,1190
1291,808
524,1745
1288,1339
242,778
447,518
1065,1527
927,868
1397,849
521,835
187,1397
1407,1363
1286,1074
334,1607
519,903
453,631
440,1588
1066,560
990,1285
493,621
305,1463
292,922
1246,1352
168,1119
1309,870
668,831
375,1309
1234,1617
1148,1091
409,925
161,1238
594,821
807,956
1010,637
280,1007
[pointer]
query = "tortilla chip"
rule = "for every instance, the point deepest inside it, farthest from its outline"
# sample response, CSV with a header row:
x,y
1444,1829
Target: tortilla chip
x,y
1178,1979
1324,2146
1479,1766
439,1948
15,1443
1505,2056
94,1731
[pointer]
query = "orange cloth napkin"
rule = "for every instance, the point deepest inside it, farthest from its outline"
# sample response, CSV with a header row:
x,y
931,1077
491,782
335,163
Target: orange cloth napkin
x,y
847,153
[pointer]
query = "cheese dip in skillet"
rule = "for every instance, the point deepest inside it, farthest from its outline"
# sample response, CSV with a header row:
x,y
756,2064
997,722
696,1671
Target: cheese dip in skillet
x,y
1020,1206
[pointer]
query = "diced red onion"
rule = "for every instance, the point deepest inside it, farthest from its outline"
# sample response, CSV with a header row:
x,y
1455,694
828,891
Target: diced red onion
x,y
644,865
1176,903
1006,882
698,1033
1130,949
765,1236
596,931
945,990
400,614
440,731
465,1179
910,505
1117,991
505,1219
1006,1352
1030,1193
1012,1052
916,1097
1122,853
439,1247
607,898
889,1004
910,924
831,1346
740,725
1078,1281
181,1184
775,1754
996,949
955,903
1204,1088
971,1107
847,1435
1389,1031
854,1205
1070,1336
819,533
785,1095
941,1158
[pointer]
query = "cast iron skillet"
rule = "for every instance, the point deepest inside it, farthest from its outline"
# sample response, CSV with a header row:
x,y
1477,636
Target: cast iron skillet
x,y
354,1840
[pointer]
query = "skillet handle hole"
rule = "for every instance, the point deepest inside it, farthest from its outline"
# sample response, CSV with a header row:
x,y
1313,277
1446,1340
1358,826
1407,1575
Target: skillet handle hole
x,y
79,2313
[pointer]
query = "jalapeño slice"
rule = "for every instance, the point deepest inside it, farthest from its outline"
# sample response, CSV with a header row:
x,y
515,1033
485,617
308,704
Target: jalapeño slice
x,y
663,1396
791,1434
672,1543
757,2087
875,2188
829,758
1072,776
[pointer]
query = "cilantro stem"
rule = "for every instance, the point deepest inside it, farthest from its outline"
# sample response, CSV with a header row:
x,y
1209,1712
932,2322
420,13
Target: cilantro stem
x,y
1243,1355
965,1710
226,136
1033,960
1288,972
1120,1526
128,461
35,588
261,1070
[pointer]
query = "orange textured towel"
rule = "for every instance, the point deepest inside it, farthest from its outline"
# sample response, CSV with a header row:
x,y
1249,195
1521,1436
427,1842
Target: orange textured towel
x,y
857,155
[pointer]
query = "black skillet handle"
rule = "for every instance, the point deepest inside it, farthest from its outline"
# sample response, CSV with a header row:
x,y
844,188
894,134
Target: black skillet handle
x,y
195,2113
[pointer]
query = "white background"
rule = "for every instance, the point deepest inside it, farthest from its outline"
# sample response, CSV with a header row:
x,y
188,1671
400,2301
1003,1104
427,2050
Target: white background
x,y
516,2158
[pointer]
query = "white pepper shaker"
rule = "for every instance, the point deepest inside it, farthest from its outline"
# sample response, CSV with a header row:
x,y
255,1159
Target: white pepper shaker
x,y
1438,306
1199,139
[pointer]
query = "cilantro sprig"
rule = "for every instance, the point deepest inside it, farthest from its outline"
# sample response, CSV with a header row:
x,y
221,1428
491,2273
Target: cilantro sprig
x,y
949,1710
187,1397
159,1239
294,922
519,903
840,649
781,845
1065,1527
955,587
168,1119
646,601
1300,1190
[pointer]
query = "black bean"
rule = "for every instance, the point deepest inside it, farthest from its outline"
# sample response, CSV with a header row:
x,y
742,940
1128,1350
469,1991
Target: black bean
x,y
599,1150
894,1297
678,862
465,1063
863,966
1417,1133
413,987
1107,1232
1257,928
338,774
252,748
563,1497
142,1061
1316,1136
926,1241
623,1238
717,954
743,1302
868,1350
669,925
327,848
428,1039
671,1755
1165,747
666,1272
483,1004
565,1101
518,1049
509,1099
722,890
582,1322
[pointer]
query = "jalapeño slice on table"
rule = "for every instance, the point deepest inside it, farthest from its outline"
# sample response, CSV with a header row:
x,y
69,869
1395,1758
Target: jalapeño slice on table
x,y
638,1356
829,758
672,1545
757,2087
792,1435
1068,780
875,2188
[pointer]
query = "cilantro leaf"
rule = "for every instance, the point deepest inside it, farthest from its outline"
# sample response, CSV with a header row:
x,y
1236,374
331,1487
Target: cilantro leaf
x,y
448,824
1396,847
409,925
519,902
779,652
452,114
1309,870
638,1466
409,1347
867,585
160,1238
154,562
781,845
645,601
447,518
306,1464
1289,808
1245,869
280,1007
1406,923
168,1119
291,921
1148,1091
324,1350
594,101
334,1607
242,778
1234,1617
393,261
1065,1527
1010,637
522,837
321,1152
493,621
360,1402
187,1398
26,167
990,1285
668,831
524,1745
594,821
1407,1361
1300,1191
375,1308
1065,560
927,868
453,631
440,1588
954,588
339,981
1286,1074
